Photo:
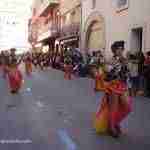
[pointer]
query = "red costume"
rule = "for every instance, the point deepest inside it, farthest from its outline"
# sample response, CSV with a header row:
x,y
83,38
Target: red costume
x,y
15,79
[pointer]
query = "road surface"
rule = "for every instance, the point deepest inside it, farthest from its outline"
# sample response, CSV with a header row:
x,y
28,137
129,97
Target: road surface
x,y
51,113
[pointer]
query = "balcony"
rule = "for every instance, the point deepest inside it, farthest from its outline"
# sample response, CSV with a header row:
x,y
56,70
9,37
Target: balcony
x,y
70,30
46,6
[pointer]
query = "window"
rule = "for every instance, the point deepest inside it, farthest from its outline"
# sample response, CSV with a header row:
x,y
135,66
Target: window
x,y
93,3
63,20
34,11
122,4
73,16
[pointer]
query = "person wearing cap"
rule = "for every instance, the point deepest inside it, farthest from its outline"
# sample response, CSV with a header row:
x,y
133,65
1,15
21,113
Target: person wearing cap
x,y
119,104
116,99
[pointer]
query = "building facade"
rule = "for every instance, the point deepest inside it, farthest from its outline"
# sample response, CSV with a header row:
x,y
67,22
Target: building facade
x,y
70,23
44,26
104,22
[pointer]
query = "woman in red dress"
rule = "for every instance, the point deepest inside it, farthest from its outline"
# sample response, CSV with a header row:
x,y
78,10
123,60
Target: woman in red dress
x,y
14,75
15,79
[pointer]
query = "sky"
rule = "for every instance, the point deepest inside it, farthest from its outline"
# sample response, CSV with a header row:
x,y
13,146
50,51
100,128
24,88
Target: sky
x,y
14,15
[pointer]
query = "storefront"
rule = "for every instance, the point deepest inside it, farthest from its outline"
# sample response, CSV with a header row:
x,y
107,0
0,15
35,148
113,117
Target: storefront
x,y
37,48
48,41
69,41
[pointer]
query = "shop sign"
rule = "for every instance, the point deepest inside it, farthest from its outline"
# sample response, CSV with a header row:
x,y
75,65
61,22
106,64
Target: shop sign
x,y
70,40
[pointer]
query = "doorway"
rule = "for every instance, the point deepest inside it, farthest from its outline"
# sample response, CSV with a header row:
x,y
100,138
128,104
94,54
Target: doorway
x,y
136,39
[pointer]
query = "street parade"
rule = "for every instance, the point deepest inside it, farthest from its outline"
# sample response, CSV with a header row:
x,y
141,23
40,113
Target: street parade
x,y
113,78
74,75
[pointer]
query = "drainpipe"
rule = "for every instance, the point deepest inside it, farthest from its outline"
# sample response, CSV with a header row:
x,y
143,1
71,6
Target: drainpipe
x,y
81,31
80,24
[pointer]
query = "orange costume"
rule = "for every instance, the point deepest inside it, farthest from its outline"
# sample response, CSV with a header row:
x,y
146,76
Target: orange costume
x,y
116,103
99,81
68,70
28,65
115,106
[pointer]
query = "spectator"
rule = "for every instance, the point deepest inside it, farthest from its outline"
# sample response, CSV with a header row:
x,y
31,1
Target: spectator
x,y
141,60
147,73
133,73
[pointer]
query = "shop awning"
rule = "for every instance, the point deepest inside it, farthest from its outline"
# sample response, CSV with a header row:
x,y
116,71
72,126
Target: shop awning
x,y
68,39
44,36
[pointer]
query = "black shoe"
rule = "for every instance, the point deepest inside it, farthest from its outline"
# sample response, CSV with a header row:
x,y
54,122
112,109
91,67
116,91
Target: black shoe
x,y
96,90
118,128
14,92
114,133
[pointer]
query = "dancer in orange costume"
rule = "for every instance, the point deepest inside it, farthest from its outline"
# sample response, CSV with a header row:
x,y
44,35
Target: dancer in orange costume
x,y
28,64
68,71
68,68
116,102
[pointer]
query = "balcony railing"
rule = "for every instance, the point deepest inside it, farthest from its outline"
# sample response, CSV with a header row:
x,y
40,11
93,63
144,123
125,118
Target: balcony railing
x,y
70,30
46,4
44,8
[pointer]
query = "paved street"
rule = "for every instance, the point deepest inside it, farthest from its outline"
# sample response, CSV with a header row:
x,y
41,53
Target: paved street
x,y
55,114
